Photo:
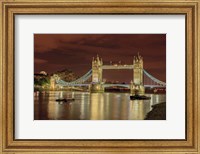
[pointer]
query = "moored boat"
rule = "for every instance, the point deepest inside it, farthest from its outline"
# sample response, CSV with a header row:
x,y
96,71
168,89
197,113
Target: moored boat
x,y
139,97
65,100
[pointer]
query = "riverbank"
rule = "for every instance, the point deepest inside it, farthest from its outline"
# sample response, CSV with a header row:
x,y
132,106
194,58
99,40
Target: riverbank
x,y
158,112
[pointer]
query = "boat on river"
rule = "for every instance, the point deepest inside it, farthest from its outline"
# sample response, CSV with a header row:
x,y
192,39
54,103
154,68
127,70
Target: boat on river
x,y
66,100
139,97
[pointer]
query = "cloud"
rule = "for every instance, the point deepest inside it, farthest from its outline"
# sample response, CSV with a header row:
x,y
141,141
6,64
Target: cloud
x,y
75,51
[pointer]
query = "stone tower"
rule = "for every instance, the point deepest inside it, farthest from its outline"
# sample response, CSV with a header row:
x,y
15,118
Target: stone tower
x,y
138,70
53,80
52,83
137,87
97,70
97,84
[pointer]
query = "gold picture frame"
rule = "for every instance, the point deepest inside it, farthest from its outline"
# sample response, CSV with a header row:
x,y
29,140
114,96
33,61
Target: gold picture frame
x,y
9,8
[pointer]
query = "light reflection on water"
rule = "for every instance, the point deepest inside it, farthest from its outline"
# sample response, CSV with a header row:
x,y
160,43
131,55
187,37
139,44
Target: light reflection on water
x,y
92,106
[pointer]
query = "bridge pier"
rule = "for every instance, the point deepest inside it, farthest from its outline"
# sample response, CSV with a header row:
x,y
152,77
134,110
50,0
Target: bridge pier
x,y
137,89
96,88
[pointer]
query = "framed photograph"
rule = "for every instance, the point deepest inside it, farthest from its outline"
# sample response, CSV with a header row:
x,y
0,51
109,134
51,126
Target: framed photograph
x,y
99,76
84,81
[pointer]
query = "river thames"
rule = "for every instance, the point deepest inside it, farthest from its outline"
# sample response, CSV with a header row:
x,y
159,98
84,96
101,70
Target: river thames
x,y
92,106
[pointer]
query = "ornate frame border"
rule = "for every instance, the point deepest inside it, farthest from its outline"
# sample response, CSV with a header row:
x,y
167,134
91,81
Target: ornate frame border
x,y
9,8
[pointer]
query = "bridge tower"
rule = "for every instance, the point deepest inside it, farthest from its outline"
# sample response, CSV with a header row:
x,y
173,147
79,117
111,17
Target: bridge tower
x,y
52,83
137,86
97,84
97,70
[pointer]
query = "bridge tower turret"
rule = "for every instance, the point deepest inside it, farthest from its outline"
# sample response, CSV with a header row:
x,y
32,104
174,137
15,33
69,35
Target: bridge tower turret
x,y
138,88
97,84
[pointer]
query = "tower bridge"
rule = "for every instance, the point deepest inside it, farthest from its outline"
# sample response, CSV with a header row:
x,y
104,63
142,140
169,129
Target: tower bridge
x,y
141,78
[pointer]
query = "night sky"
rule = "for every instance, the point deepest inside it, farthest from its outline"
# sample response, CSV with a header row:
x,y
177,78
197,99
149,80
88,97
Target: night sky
x,y
54,52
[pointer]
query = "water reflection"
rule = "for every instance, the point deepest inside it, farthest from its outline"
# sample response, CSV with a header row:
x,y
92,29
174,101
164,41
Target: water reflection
x,y
94,106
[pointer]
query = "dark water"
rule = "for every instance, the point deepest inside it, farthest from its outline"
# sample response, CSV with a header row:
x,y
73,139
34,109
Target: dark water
x,y
92,106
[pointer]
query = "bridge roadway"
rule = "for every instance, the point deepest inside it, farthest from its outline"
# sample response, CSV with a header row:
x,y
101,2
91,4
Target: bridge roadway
x,y
115,85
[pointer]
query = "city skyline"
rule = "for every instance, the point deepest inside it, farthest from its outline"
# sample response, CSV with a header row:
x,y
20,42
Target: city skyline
x,y
54,52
